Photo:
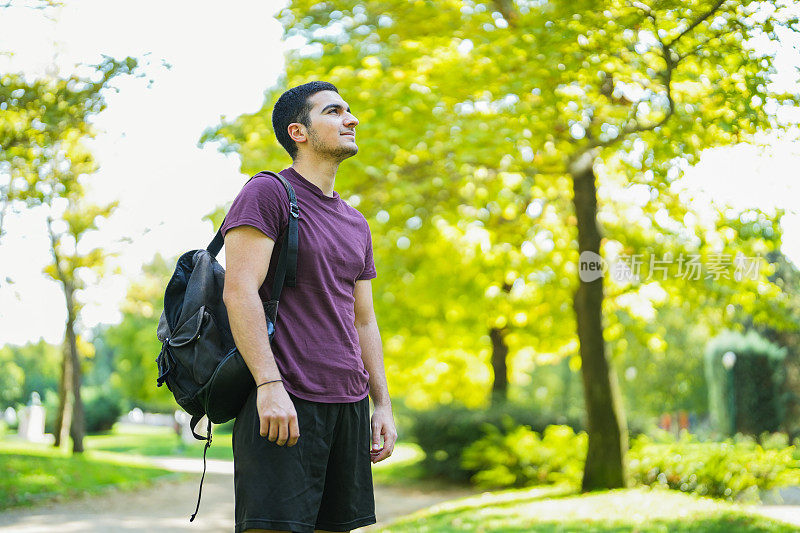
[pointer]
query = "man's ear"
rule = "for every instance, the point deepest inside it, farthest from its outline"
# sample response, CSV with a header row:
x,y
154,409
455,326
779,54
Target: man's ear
x,y
297,132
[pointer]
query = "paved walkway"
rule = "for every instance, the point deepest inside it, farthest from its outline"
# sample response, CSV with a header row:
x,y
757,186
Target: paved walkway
x,y
166,507
781,504
785,513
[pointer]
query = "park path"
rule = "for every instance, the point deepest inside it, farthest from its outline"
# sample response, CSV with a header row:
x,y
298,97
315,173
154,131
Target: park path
x,y
166,506
783,505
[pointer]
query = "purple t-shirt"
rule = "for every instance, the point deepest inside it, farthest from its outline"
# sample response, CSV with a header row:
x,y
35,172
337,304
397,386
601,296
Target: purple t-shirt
x,y
316,343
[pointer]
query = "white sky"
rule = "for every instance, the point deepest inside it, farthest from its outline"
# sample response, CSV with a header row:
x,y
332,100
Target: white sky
x,y
223,59
223,56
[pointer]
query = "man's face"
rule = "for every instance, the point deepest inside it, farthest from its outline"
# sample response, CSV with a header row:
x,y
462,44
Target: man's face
x,y
333,128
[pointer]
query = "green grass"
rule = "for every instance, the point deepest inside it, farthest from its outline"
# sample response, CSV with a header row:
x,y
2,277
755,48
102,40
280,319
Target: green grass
x,y
152,441
402,468
557,509
148,441
32,474
36,472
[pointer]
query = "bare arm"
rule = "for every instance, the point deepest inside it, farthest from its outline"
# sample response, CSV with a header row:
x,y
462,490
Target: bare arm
x,y
369,339
247,256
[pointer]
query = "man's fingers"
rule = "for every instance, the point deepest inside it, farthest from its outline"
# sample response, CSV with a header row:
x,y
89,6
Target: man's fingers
x,y
376,437
384,453
274,429
389,440
283,432
294,431
276,411
387,450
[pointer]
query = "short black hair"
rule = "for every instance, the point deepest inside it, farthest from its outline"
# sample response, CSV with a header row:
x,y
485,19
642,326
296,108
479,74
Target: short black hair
x,y
293,106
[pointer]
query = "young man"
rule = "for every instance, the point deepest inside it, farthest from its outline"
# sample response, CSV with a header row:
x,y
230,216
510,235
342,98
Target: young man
x,y
301,443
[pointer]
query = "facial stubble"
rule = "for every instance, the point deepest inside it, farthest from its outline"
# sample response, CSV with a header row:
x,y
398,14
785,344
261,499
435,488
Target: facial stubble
x,y
339,152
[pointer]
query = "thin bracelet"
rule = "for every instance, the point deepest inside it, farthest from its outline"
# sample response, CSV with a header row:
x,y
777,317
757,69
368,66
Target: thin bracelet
x,y
267,382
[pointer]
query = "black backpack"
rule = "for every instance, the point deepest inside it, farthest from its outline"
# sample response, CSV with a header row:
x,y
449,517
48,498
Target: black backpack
x,y
199,361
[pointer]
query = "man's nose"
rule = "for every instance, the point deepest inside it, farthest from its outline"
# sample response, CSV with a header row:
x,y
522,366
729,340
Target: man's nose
x,y
350,120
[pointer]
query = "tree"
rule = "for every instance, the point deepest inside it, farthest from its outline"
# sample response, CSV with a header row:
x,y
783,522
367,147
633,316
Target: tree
x,y
787,276
133,341
68,263
31,368
487,126
43,163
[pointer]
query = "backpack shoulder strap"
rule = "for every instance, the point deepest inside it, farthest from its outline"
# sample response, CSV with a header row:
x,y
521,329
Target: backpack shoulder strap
x,y
287,265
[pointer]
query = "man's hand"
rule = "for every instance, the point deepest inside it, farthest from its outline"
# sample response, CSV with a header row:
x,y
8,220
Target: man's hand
x,y
382,426
277,415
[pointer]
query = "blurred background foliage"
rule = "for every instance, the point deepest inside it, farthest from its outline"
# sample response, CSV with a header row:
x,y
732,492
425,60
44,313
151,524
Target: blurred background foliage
x,y
469,113
463,134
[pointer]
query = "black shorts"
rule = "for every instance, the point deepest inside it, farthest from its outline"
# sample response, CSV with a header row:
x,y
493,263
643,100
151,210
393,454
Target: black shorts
x,y
322,482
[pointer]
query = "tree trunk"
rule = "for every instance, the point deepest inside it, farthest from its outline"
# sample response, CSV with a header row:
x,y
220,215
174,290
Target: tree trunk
x,y
499,366
65,395
70,416
77,429
605,457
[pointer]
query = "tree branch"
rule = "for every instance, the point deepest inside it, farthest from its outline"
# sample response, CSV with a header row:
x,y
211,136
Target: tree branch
x,y
672,59
694,24
506,8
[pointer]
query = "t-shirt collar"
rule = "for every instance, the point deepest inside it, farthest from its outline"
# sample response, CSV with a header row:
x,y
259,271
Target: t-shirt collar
x,y
313,188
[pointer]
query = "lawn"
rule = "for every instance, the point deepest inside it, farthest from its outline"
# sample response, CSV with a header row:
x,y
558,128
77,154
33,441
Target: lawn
x,y
555,509
149,441
31,473
36,473
157,441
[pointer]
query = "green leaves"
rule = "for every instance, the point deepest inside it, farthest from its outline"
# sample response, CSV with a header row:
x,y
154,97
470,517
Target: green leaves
x,y
133,341
470,116
44,124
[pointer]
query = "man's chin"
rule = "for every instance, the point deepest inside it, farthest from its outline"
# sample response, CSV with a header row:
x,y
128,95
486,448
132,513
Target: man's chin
x,y
347,151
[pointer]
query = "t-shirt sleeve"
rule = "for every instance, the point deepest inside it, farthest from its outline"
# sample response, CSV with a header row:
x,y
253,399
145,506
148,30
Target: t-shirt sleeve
x,y
369,263
263,204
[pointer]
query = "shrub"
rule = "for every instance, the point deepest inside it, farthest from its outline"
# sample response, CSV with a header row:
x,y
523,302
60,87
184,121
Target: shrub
x,y
445,432
752,390
521,457
733,469
102,407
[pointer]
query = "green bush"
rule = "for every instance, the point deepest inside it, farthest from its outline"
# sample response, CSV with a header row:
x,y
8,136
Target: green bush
x,y
733,469
736,469
102,407
445,432
752,389
520,457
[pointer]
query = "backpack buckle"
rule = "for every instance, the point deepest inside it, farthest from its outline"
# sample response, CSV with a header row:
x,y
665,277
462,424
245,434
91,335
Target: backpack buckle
x,y
294,210
163,362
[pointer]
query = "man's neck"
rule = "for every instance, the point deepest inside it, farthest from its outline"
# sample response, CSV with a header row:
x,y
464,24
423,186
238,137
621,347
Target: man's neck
x,y
320,173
